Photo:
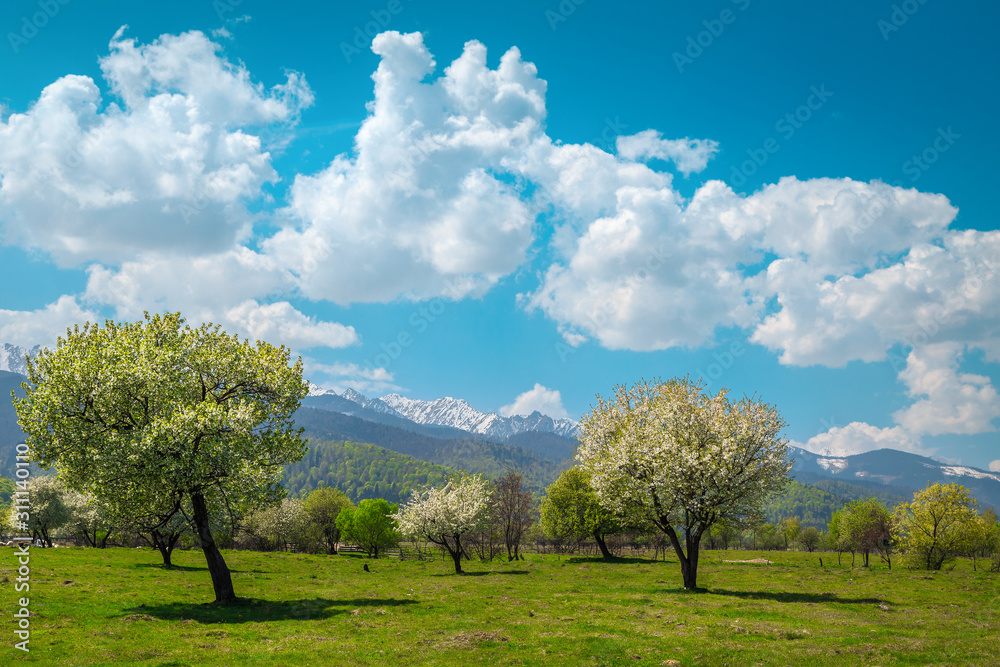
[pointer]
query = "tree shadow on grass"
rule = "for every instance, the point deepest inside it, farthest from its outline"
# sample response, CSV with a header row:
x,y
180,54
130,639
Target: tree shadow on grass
x,y
613,560
479,574
253,610
179,568
783,596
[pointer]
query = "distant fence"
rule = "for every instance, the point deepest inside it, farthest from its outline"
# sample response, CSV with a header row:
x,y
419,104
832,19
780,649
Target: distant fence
x,y
402,552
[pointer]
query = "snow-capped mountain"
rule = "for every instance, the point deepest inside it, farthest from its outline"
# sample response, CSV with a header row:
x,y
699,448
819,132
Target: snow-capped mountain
x,y
894,468
12,358
458,413
376,404
450,412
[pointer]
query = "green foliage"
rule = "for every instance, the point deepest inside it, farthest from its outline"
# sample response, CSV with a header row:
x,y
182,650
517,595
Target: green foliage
x,y
935,525
361,471
810,538
469,454
144,416
866,526
371,525
138,413
846,492
812,505
571,512
6,489
322,506
791,527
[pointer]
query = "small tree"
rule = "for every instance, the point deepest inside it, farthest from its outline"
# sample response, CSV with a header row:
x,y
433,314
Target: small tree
x,y
276,527
371,525
164,534
790,529
933,525
673,455
49,509
868,526
514,506
322,506
809,538
443,516
721,535
839,536
149,414
571,511
982,535
89,521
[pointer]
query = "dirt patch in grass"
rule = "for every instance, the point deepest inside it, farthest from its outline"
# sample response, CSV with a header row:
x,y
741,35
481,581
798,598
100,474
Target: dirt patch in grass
x,y
474,639
752,561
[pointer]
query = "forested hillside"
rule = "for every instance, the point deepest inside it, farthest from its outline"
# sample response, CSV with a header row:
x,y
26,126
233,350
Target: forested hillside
x,y
815,503
469,454
361,471
890,495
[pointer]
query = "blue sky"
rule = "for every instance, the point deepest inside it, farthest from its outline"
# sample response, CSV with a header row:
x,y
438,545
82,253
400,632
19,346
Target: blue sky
x,y
529,202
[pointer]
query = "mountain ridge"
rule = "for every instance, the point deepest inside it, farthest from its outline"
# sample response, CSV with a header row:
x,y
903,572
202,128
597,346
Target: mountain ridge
x,y
12,358
897,469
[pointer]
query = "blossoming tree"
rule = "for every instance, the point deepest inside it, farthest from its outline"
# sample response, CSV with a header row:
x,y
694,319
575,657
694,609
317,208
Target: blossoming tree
x,y
671,454
158,414
444,515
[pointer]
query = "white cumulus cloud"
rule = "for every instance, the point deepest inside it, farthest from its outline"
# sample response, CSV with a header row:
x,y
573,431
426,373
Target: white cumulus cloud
x,y
858,437
544,400
947,401
163,163
690,155
419,210
43,326
281,323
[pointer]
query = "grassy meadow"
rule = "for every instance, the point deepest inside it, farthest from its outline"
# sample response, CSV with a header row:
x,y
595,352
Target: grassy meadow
x,y
119,606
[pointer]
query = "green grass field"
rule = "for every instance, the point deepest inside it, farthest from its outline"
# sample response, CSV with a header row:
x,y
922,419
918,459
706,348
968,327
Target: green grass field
x,y
118,606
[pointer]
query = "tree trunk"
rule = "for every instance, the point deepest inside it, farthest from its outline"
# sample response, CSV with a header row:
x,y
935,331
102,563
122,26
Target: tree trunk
x,y
456,553
689,561
163,547
691,572
604,547
221,579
